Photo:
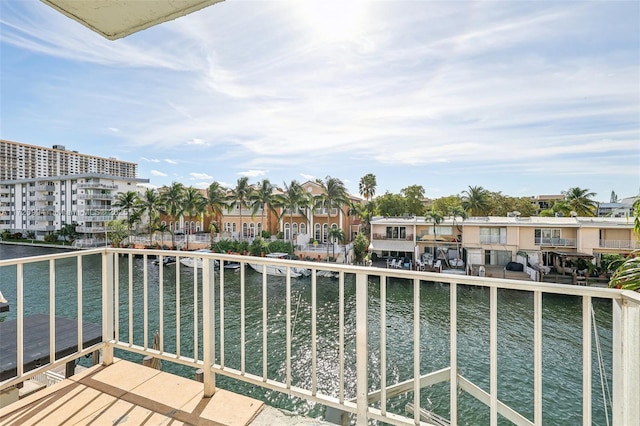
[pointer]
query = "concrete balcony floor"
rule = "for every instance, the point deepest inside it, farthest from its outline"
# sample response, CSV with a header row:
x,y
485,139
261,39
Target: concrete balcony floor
x,y
126,393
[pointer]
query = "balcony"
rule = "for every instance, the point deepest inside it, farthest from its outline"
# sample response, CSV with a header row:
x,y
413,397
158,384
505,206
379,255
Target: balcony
x,y
104,218
555,242
492,239
332,342
408,237
46,198
95,185
92,229
43,228
620,244
96,196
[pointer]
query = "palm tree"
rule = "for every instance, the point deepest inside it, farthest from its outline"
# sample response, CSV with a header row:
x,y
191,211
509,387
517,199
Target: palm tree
x,y
457,211
150,203
367,186
217,200
263,198
580,201
195,204
334,195
475,200
127,202
436,217
294,199
172,205
240,197
162,228
336,234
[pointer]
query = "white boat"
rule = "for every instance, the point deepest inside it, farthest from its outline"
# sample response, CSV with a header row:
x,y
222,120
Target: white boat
x,y
166,261
280,271
196,261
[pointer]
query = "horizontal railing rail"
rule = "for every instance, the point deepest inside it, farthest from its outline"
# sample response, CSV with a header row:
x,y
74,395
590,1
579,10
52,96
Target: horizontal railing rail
x,y
137,296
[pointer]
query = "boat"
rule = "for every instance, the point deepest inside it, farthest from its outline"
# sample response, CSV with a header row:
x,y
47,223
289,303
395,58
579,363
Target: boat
x,y
278,270
327,274
195,261
4,303
166,261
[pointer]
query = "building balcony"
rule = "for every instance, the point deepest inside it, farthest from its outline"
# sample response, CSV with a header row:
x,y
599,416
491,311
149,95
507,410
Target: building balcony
x,y
105,218
96,197
490,239
556,242
620,244
46,198
408,237
95,185
42,228
93,229
45,188
325,343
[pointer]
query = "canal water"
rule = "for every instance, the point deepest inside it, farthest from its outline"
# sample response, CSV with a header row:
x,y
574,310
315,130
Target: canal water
x,y
562,330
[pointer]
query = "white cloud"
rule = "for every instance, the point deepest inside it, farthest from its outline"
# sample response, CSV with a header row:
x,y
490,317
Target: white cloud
x,y
150,160
114,129
253,173
200,176
307,176
157,173
196,141
167,160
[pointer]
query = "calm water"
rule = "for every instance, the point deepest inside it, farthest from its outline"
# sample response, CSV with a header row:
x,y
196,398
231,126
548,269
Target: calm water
x,y
562,359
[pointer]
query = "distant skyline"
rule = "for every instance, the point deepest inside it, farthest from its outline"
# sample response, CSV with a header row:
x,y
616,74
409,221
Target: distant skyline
x,y
524,98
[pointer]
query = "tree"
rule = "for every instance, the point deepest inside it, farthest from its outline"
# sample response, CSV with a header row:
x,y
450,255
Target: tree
x,y
579,200
172,205
457,211
364,212
263,198
294,199
436,217
360,246
414,196
240,196
390,205
68,232
367,186
116,231
336,234
195,204
127,202
475,200
217,200
445,204
614,197
150,203
333,195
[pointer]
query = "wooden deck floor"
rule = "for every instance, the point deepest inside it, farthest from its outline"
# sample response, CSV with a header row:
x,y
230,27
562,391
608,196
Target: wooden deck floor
x,y
131,394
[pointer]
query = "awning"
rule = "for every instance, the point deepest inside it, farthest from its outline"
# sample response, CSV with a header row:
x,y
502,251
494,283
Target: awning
x,y
115,19
573,254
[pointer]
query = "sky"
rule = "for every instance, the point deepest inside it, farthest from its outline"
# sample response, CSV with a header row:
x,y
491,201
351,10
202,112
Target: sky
x,y
520,97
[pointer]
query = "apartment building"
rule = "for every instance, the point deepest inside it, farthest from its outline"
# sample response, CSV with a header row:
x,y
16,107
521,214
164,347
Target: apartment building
x,y
19,161
37,207
44,189
498,240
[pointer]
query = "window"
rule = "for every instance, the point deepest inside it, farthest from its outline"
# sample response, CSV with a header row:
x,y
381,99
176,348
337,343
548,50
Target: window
x,y
287,230
252,230
497,257
493,235
325,233
317,232
396,232
546,235
303,228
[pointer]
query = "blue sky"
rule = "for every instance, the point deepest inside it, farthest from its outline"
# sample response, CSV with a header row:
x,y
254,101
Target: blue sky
x,y
521,97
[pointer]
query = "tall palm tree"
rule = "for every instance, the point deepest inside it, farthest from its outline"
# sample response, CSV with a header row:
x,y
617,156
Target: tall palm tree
x,y
240,196
336,234
580,201
333,195
475,200
367,186
127,202
436,217
457,211
262,198
195,204
150,203
172,205
294,199
217,200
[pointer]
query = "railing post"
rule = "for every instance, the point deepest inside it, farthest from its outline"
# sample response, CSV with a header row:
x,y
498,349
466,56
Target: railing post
x,y
107,304
208,325
626,368
361,349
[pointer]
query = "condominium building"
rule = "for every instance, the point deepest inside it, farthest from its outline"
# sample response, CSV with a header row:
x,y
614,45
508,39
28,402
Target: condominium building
x,y
44,189
22,161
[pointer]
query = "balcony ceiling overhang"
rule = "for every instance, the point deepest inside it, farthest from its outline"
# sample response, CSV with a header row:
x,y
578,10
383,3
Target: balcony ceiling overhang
x,y
115,19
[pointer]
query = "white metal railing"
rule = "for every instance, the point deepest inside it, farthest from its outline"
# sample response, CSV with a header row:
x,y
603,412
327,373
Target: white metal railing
x,y
210,292
620,244
556,242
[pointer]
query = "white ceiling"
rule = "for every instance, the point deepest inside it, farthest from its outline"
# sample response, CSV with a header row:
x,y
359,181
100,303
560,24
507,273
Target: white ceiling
x,y
115,19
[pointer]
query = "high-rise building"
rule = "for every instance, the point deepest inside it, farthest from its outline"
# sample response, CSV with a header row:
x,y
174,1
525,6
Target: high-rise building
x,y
23,161
44,189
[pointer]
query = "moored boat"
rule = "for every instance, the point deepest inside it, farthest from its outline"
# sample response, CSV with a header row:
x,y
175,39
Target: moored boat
x,y
278,270
196,262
